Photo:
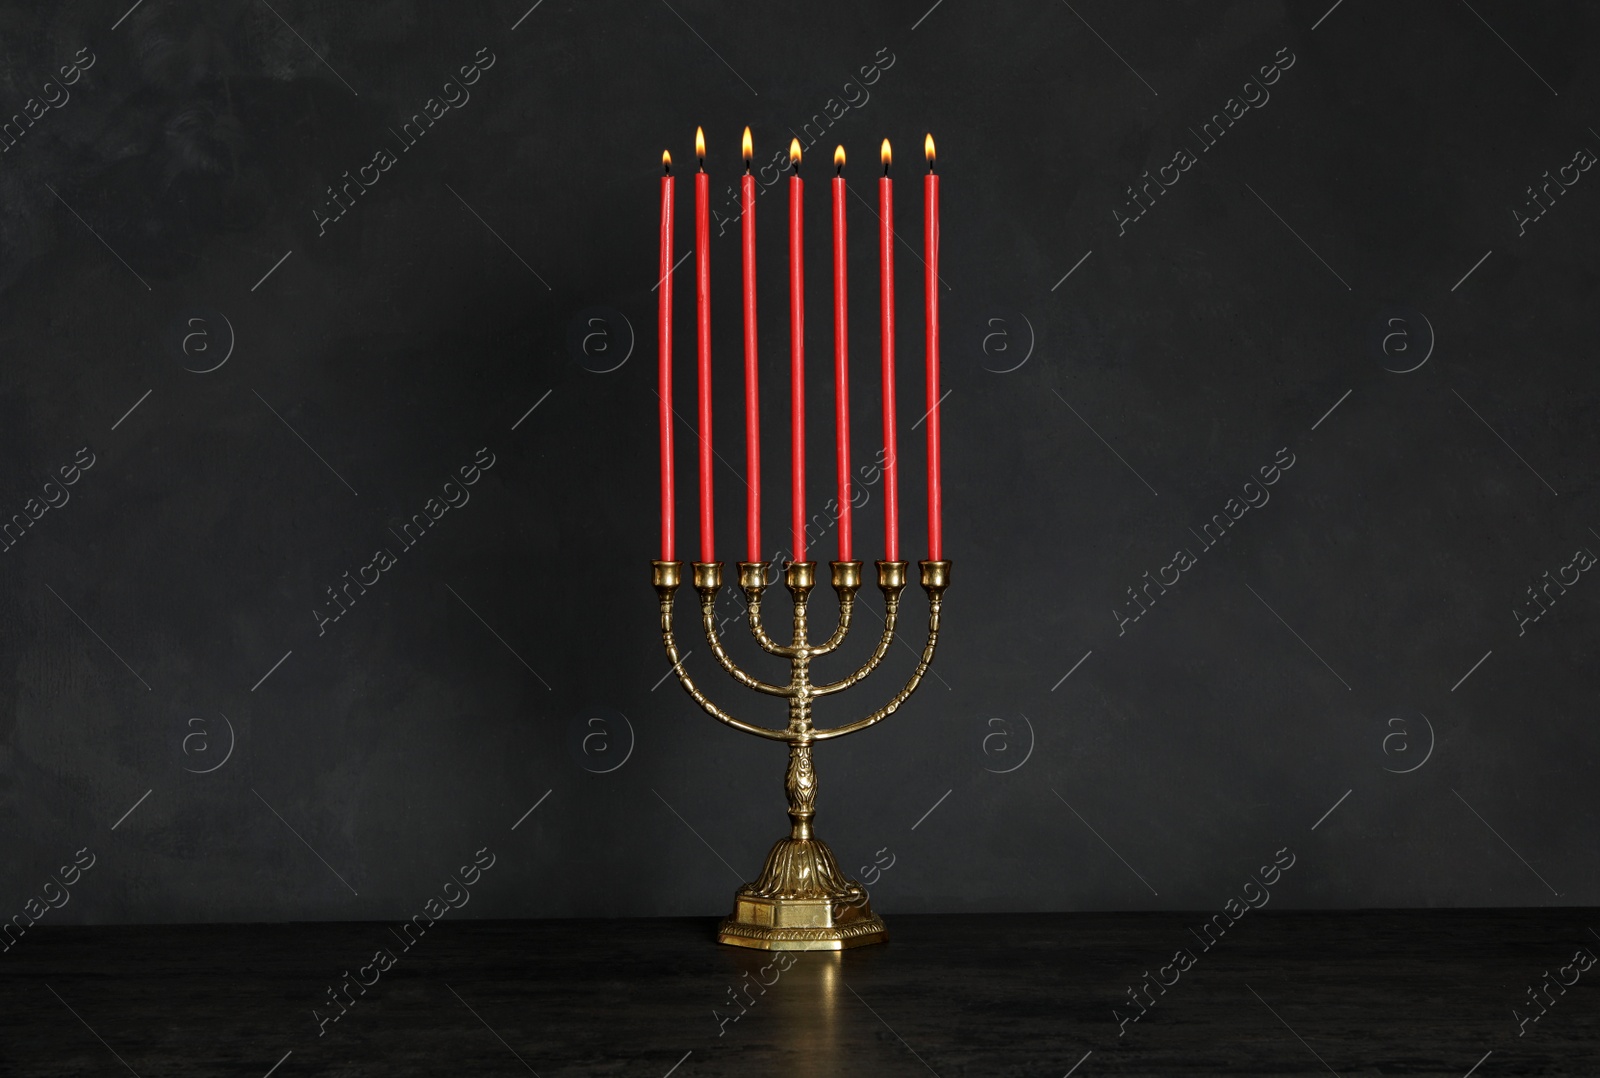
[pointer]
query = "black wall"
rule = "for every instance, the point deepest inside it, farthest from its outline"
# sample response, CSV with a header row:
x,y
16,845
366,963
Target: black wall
x,y
1344,291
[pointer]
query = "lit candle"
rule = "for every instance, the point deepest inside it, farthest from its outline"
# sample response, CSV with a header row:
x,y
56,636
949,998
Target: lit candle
x,y
930,246
797,354
664,373
891,484
752,397
702,264
841,357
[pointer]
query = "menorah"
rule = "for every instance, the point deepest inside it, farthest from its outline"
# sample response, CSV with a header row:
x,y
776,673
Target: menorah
x,y
801,901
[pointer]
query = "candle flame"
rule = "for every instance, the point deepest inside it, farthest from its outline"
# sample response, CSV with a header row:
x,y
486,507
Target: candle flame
x,y
927,149
886,155
749,146
666,160
838,158
700,143
794,152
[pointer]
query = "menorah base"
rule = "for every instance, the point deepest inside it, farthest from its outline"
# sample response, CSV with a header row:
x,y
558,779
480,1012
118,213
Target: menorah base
x,y
802,902
744,929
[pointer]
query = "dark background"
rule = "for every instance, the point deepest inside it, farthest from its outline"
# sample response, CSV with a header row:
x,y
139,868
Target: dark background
x,y
1315,660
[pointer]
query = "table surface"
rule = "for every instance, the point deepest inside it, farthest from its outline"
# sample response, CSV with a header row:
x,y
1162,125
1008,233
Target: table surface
x,y
1280,993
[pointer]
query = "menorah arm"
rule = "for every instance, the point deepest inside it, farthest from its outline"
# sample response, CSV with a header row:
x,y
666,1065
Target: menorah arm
x,y
753,579
666,583
935,578
708,582
846,581
891,581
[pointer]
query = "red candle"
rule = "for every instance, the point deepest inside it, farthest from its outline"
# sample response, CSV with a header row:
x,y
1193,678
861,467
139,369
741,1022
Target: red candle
x,y
702,264
891,484
930,246
664,374
841,357
752,397
797,355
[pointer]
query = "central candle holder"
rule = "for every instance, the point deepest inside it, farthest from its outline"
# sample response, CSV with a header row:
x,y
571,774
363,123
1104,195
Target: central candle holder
x,y
801,901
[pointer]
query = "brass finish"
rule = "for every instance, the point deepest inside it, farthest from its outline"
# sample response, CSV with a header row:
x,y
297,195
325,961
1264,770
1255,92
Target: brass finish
x,y
752,574
801,574
666,573
846,575
891,574
801,901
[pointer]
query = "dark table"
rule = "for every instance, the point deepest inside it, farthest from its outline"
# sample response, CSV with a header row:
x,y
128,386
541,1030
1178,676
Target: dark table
x,y
1281,993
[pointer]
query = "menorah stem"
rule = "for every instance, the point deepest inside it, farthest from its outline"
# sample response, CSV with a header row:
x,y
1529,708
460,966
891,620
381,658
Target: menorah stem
x,y
801,577
801,785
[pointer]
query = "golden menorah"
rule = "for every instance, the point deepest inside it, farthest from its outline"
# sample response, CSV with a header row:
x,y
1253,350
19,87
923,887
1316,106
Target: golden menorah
x,y
801,901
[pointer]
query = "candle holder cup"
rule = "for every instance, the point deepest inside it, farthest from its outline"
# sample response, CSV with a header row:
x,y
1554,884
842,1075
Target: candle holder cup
x,y
801,901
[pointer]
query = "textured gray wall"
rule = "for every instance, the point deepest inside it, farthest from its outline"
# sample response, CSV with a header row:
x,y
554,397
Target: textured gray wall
x,y
1344,284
